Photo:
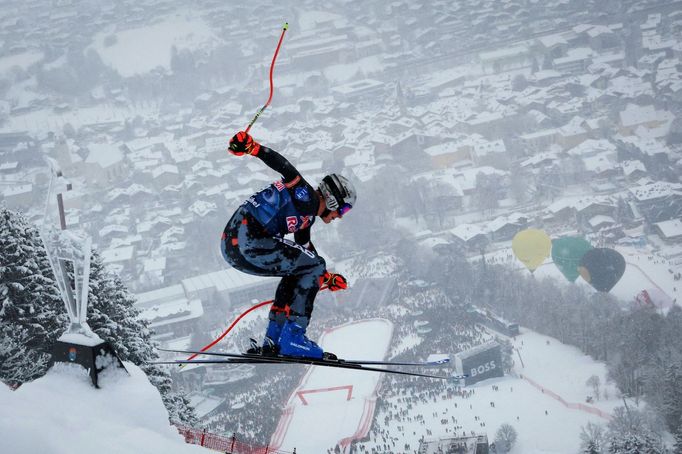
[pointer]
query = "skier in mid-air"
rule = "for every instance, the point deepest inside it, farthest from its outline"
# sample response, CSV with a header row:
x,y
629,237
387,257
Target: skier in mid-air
x,y
253,242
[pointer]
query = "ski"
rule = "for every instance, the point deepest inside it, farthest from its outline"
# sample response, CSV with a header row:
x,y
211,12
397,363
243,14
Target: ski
x,y
438,363
257,359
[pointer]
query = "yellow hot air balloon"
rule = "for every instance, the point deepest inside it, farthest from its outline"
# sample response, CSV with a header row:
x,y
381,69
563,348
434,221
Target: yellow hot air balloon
x,y
531,247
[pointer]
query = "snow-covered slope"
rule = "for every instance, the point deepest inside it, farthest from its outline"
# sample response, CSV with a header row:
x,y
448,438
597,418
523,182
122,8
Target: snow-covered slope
x,y
62,413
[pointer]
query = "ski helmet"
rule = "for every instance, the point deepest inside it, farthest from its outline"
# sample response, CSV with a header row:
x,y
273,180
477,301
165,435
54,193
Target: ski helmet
x,y
338,192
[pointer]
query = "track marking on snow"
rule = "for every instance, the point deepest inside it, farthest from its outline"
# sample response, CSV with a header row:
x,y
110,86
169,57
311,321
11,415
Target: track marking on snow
x,y
571,405
347,388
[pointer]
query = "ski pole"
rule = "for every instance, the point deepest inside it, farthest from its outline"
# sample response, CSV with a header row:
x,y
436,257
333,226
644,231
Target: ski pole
x,y
232,325
272,67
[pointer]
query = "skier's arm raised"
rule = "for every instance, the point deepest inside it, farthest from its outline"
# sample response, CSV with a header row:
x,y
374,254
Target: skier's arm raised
x,y
242,143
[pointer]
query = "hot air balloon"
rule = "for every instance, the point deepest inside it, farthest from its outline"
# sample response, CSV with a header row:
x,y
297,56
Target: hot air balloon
x,y
567,253
531,247
602,268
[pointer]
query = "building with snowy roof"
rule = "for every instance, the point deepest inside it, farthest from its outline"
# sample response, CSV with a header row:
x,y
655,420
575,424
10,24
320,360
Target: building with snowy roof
x,y
472,236
635,116
506,59
170,312
358,90
658,201
504,228
17,196
230,287
105,163
475,444
670,231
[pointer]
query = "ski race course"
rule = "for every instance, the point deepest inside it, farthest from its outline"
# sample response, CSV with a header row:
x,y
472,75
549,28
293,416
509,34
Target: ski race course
x,y
544,399
337,405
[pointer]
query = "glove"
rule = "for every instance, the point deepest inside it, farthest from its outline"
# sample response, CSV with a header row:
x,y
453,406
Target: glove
x,y
242,143
333,281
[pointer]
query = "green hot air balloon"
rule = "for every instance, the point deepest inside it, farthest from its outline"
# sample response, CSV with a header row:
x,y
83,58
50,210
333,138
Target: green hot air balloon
x,y
531,247
602,268
567,253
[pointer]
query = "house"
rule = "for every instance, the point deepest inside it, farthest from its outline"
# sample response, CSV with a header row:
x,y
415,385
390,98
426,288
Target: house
x,y
170,312
575,61
650,149
670,231
589,207
471,236
573,133
17,196
489,152
9,167
120,260
504,228
166,175
505,59
599,222
224,289
633,169
658,201
635,116
601,38
104,164
538,141
153,272
449,153
552,46
358,90
541,161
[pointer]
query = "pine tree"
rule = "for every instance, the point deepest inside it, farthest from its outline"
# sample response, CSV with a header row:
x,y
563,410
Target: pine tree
x,y
592,439
631,443
32,314
630,432
113,317
677,445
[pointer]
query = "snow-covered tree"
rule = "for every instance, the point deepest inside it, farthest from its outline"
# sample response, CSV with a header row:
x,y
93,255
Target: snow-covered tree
x,y
32,314
677,445
631,443
113,317
592,439
630,432
505,437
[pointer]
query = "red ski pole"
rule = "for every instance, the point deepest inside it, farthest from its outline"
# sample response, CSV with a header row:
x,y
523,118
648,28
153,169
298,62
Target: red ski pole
x,y
272,67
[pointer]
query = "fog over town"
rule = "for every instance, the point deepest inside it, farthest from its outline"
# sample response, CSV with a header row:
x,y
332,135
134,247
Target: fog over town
x,y
518,168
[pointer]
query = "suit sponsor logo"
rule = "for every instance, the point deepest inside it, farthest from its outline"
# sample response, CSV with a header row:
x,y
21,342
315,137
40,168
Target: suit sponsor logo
x,y
302,194
292,223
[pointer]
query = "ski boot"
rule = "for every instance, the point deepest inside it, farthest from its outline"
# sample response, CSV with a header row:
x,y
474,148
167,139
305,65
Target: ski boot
x,y
270,345
293,341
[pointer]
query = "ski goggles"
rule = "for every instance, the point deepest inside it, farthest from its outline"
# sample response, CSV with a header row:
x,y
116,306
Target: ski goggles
x,y
345,208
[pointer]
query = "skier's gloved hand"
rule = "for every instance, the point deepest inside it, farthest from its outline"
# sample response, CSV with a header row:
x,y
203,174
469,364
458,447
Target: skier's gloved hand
x,y
242,143
333,281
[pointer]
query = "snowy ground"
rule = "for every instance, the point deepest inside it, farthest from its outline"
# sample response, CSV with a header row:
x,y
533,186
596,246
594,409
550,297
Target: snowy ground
x,y
544,424
62,413
328,417
544,400
140,50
